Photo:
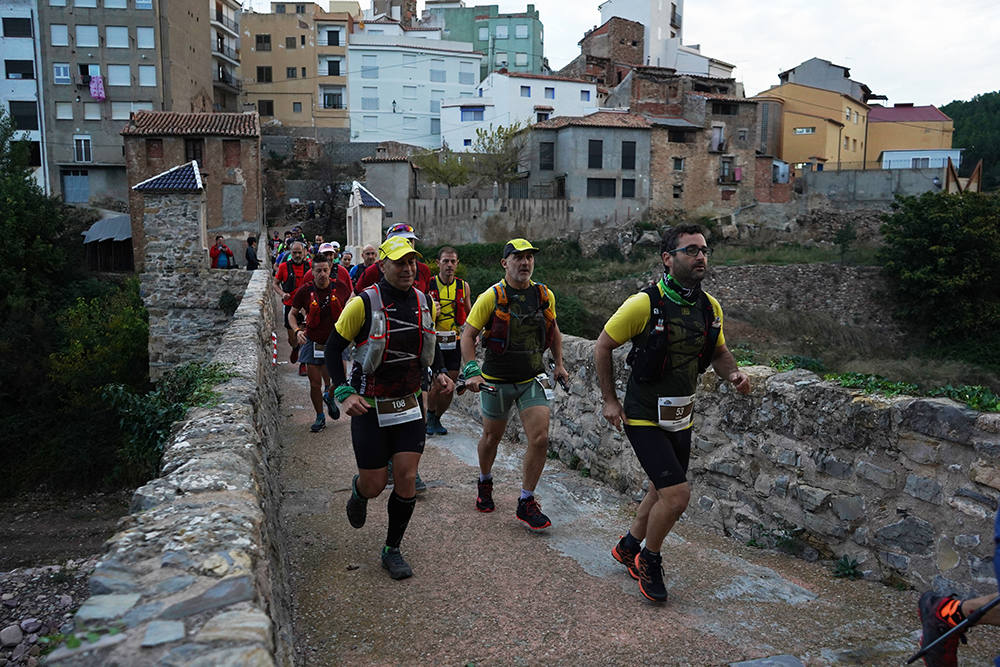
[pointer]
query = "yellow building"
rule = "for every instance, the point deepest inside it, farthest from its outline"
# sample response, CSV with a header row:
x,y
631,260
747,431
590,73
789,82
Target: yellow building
x,y
295,65
820,129
906,127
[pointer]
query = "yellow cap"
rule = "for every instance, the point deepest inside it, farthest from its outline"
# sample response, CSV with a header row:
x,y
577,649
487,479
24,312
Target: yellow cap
x,y
396,247
518,245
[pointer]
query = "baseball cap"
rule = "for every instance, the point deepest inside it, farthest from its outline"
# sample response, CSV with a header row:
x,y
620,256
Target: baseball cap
x,y
401,229
336,244
396,247
518,245
327,247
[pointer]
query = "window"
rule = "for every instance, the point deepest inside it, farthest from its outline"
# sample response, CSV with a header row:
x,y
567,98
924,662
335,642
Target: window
x,y
289,42
333,67
116,4
231,152
154,148
120,110
435,126
436,96
410,123
724,109
525,91
369,98
521,59
628,188
541,115
501,59
144,38
81,148
59,34
438,73
300,9
332,38
370,123
678,164
291,73
726,174
466,73
91,111
194,149
409,92
595,154
847,113
742,134
501,32
302,40
143,4
333,100
472,113
87,71
16,27
846,143
119,75
855,117
920,163
369,67
303,72
116,36
678,191
147,75
19,69
854,144
86,35
546,155
57,3
279,9
521,31
584,95
804,130
25,115
296,107
466,142
85,3
60,73
628,155
601,188
263,74
265,107
484,34
550,93
263,42
64,111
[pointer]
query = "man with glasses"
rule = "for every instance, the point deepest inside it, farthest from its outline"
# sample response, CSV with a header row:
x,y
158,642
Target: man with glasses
x,y
676,334
373,273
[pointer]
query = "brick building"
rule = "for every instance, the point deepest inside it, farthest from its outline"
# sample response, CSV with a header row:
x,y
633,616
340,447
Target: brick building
x,y
226,147
608,53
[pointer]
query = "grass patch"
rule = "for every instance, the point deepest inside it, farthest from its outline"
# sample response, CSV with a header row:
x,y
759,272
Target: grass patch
x,y
730,255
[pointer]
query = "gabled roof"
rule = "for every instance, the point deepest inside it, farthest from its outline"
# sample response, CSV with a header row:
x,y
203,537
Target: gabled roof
x,y
905,113
368,200
599,119
170,123
672,121
182,178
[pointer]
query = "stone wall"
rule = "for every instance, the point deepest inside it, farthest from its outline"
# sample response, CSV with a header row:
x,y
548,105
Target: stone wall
x,y
459,221
907,487
194,575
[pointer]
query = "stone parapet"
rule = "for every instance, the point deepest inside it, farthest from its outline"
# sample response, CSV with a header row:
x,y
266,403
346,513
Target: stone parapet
x,y
194,574
908,487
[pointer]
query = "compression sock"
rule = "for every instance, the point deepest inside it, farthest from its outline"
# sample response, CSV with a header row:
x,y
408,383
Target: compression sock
x,y
400,510
485,478
652,555
630,541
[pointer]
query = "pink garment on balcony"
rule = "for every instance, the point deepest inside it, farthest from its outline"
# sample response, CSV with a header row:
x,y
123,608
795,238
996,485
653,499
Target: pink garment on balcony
x,y
97,88
739,173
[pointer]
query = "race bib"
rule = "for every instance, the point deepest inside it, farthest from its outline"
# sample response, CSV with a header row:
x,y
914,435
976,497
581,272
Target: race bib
x,y
319,351
447,340
675,412
392,411
546,383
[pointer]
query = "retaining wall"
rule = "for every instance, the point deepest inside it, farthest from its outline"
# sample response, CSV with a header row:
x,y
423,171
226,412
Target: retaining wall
x,y
906,486
194,574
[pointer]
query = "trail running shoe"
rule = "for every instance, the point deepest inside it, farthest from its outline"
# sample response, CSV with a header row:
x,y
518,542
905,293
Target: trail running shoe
x,y
649,567
530,512
331,407
434,426
420,485
319,424
484,499
938,615
393,561
357,507
626,556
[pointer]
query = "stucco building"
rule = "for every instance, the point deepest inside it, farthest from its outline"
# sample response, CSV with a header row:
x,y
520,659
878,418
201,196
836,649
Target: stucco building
x,y
21,94
908,127
224,18
226,147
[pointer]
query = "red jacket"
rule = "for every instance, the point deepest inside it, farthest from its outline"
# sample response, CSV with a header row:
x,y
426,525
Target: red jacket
x,y
217,250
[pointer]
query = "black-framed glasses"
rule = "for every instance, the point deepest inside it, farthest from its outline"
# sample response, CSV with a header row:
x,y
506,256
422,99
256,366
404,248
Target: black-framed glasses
x,y
692,250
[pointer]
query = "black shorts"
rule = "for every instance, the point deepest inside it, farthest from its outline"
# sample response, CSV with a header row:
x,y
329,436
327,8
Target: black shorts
x,y
664,455
452,359
375,445
298,316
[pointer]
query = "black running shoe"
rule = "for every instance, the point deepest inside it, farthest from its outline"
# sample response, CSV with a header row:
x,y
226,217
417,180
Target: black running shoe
x,y
484,499
357,507
626,556
937,614
393,561
331,407
530,512
649,567
319,424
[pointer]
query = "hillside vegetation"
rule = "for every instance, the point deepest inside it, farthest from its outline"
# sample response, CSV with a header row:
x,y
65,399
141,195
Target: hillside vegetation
x,y
977,130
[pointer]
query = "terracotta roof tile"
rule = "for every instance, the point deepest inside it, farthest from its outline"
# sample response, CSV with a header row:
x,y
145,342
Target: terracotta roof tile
x,y
599,119
170,123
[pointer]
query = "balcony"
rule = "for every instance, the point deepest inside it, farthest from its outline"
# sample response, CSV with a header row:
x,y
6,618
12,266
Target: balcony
x,y
728,178
220,20
227,82
226,52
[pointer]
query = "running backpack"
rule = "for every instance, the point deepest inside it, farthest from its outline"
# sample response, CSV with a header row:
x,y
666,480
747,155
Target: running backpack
x,y
496,337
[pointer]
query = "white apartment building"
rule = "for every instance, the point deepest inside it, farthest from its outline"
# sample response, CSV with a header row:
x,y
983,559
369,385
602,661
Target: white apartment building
x,y
21,91
504,98
396,83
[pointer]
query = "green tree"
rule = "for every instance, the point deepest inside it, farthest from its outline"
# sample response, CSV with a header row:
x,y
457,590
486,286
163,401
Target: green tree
x,y
977,130
941,255
843,237
500,152
442,166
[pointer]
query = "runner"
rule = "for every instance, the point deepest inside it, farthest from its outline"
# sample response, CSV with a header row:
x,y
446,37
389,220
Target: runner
x,y
373,273
520,318
451,295
320,302
392,326
676,333
368,256
288,278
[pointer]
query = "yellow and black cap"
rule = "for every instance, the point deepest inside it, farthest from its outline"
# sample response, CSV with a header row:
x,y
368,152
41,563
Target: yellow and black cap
x,y
518,245
396,247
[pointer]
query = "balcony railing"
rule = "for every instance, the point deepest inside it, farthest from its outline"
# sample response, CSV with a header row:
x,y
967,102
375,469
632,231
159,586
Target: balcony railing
x,y
229,23
227,51
226,80
675,19
728,178
331,42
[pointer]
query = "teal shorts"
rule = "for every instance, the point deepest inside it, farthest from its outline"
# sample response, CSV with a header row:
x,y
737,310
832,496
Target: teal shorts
x,y
525,394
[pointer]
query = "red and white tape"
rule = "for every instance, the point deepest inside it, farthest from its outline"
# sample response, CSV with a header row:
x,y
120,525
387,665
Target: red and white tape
x,y
274,349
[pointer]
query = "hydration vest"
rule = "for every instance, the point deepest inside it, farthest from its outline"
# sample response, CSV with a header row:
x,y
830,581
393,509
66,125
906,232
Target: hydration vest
x,y
497,337
459,302
290,282
650,359
374,351
315,311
